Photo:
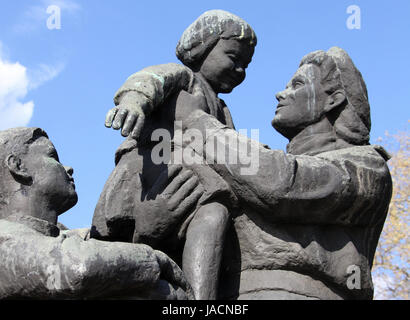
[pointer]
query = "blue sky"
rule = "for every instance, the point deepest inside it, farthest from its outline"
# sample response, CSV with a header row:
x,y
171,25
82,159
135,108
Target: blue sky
x,y
64,80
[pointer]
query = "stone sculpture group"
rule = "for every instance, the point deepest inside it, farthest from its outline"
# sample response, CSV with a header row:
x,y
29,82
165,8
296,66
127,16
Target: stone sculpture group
x,y
202,226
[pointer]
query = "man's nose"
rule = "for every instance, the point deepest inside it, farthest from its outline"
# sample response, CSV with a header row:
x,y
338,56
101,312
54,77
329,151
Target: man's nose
x,y
280,95
240,71
239,68
69,170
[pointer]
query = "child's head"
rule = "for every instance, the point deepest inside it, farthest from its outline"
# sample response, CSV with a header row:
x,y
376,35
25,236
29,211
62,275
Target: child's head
x,y
215,36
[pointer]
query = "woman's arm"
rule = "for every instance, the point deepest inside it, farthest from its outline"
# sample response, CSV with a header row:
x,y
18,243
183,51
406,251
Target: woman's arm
x,y
342,187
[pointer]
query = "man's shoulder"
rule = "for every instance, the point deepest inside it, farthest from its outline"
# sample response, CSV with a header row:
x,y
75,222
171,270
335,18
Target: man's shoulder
x,y
22,224
12,228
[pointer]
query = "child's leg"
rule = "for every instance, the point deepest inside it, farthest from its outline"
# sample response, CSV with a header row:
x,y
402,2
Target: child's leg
x,y
202,254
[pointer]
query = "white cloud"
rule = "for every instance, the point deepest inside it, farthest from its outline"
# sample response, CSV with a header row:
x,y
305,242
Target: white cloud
x,y
13,88
43,73
15,83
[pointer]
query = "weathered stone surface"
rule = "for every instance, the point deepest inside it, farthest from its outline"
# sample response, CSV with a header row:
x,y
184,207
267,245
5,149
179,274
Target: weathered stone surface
x,y
302,224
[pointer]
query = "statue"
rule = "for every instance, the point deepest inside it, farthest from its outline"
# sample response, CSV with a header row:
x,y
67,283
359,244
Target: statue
x,y
40,261
311,218
137,205
304,225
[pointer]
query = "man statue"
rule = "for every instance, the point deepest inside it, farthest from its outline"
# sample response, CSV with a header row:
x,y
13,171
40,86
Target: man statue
x,y
38,261
311,218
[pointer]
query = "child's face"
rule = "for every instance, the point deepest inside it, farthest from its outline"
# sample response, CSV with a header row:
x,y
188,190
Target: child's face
x,y
224,67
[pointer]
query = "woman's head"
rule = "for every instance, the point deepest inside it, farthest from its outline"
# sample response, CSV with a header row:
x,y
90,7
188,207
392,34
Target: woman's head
x,y
205,32
327,84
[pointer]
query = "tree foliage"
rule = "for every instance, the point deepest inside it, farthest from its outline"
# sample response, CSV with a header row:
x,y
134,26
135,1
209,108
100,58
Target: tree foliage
x,y
392,260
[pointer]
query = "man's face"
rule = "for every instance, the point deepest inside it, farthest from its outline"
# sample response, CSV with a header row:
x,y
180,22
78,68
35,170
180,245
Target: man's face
x,y
224,67
301,103
51,179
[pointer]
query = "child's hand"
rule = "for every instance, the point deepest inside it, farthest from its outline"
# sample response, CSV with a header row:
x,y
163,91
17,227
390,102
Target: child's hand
x,y
129,115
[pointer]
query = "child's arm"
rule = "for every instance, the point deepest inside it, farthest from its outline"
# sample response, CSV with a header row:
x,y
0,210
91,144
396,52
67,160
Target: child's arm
x,y
144,91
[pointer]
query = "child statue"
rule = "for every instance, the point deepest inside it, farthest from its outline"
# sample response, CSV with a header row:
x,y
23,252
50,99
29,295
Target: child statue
x,y
215,50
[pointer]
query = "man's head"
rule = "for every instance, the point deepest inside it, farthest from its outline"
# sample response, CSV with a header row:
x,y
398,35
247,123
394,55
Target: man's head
x,y
31,177
327,84
219,45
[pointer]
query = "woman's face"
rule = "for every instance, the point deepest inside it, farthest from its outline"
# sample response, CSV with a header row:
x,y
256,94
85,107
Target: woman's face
x,y
301,103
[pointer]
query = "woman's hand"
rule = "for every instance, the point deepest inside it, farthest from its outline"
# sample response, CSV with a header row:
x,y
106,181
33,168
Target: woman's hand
x,y
170,200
